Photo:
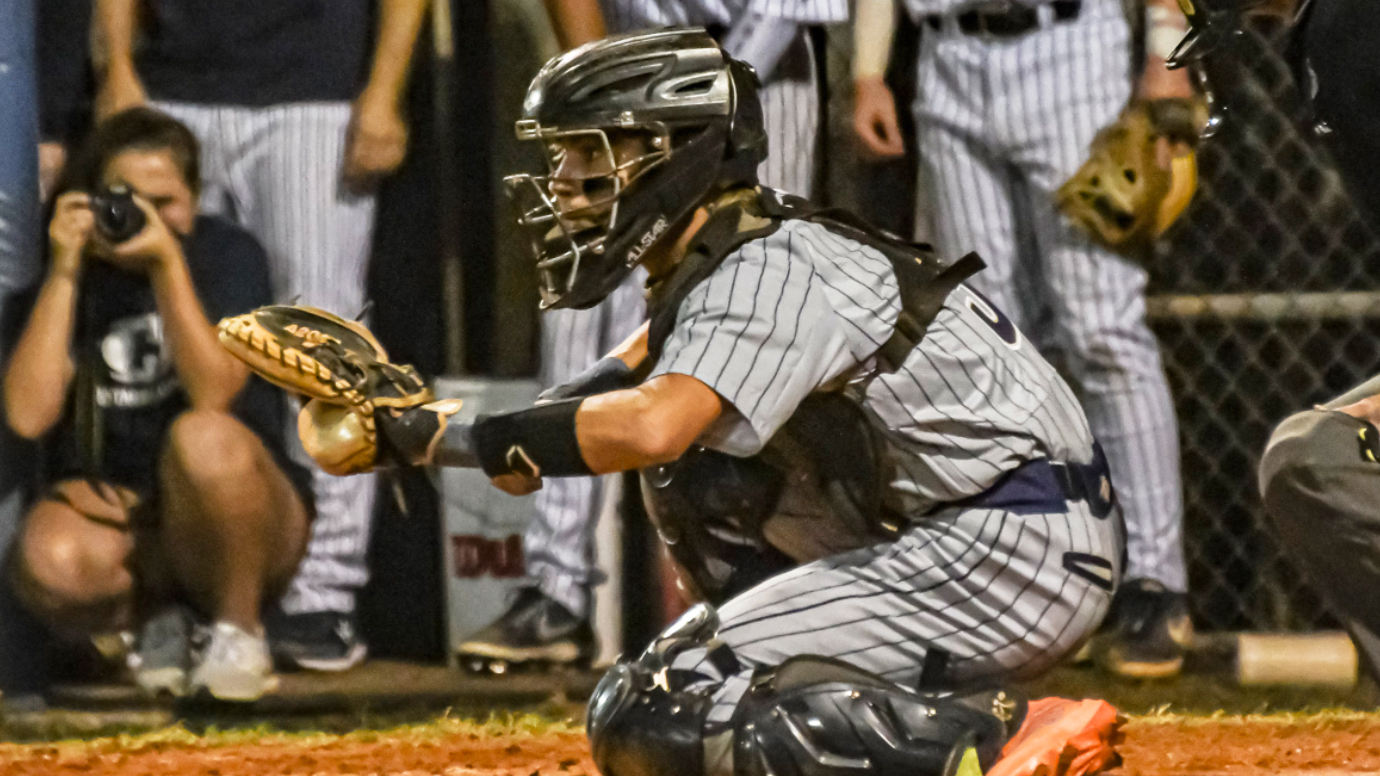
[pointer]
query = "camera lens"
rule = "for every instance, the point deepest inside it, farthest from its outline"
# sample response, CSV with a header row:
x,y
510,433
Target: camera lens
x,y
117,216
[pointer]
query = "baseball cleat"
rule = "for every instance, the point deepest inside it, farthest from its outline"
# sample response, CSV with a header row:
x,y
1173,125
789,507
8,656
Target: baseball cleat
x,y
535,630
1147,632
1060,737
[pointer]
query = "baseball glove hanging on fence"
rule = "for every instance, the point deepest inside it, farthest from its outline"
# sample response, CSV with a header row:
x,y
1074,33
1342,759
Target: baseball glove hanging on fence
x,y
339,365
1123,196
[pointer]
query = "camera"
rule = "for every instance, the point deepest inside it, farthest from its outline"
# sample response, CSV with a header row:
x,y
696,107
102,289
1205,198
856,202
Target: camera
x,y
118,217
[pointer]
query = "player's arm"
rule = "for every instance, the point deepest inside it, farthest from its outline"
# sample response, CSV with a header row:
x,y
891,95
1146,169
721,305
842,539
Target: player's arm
x,y
209,375
117,22
874,107
651,424
377,136
633,350
576,22
1165,26
41,369
610,373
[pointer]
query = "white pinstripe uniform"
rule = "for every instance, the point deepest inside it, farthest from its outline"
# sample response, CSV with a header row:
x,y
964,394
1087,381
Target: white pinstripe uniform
x,y
277,171
1001,123
559,543
1004,593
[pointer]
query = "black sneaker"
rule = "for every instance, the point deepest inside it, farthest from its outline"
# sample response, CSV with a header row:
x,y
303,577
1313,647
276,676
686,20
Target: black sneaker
x,y
1147,632
315,641
534,630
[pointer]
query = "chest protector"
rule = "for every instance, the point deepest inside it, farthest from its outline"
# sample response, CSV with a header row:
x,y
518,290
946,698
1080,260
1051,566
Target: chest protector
x,y
816,488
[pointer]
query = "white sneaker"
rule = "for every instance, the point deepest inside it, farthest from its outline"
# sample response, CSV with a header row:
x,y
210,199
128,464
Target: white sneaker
x,y
235,666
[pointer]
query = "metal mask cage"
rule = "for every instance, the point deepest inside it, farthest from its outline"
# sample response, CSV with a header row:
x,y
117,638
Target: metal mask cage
x,y
1209,31
563,240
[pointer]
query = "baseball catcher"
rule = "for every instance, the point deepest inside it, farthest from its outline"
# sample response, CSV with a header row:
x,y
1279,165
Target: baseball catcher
x,y
890,504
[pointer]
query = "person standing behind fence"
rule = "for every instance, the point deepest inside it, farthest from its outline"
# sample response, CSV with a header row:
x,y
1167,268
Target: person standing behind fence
x,y
549,620
297,123
1009,97
1320,473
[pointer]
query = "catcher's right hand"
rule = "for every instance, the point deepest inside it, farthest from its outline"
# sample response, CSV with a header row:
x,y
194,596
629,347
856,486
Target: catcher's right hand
x,y
344,371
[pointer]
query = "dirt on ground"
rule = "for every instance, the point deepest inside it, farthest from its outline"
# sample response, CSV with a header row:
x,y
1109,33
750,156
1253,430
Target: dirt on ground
x,y
1320,744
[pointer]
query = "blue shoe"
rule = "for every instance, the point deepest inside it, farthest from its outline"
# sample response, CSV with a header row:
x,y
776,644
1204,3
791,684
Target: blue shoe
x,y
315,641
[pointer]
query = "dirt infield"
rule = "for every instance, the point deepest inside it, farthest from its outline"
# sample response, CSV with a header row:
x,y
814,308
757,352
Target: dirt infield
x,y
1240,746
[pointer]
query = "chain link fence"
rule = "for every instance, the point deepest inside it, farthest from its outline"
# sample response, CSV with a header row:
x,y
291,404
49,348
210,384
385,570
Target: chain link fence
x,y
1265,301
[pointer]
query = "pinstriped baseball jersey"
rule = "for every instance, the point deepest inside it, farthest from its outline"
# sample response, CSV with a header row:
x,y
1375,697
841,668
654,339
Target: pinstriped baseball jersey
x,y
1003,594
805,309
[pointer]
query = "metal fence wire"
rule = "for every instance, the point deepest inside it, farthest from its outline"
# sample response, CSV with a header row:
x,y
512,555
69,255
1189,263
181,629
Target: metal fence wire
x,y
1266,299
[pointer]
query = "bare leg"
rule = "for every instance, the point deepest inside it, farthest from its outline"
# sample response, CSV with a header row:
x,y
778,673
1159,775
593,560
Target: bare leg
x,y
234,529
74,558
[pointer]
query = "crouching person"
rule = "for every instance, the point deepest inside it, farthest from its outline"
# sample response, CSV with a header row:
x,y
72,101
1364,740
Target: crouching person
x,y
890,503
171,502
1320,481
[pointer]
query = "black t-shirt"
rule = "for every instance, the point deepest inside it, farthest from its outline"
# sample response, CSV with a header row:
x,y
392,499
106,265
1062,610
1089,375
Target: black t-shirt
x,y
255,52
128,393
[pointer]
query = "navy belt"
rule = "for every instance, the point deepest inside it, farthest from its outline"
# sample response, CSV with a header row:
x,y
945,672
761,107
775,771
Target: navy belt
x,y
1042,486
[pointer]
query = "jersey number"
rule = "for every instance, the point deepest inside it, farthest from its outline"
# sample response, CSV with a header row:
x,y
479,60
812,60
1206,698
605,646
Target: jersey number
x,y
994,318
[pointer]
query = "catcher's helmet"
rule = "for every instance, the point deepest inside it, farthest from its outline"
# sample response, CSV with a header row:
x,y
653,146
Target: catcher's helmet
x,y
697,120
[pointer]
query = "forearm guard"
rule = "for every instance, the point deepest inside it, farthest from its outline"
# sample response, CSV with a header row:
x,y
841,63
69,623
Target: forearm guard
x,y
537,442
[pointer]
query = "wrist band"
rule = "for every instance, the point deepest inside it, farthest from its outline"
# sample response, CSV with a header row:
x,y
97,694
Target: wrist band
x,y
538,442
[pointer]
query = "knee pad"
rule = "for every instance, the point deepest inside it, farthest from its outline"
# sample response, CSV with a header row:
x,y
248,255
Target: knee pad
x,y
642,719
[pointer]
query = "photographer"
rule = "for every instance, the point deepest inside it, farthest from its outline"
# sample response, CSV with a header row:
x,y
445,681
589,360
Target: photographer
x,y
169,485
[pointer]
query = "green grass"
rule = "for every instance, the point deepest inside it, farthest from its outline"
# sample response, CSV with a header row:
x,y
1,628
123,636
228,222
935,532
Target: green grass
x,y
501,725
132,731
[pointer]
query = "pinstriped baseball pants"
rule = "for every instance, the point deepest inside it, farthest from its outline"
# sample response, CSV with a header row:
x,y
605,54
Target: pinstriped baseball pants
x,y
992,588
277,172
1001,123
559,542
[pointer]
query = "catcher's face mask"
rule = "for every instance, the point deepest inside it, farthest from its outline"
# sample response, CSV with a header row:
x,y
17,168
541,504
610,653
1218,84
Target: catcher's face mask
x,y
1208,32
570,213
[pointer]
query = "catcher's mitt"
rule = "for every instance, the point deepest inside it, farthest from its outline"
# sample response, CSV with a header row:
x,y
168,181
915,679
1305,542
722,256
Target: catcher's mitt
x,y
1122,196
339,365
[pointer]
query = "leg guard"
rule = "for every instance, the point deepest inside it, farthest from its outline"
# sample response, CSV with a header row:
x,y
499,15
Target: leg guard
x,y
809,716
814,716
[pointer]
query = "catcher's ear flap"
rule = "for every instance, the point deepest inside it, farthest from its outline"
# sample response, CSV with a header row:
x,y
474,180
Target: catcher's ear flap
x,y
1183,184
